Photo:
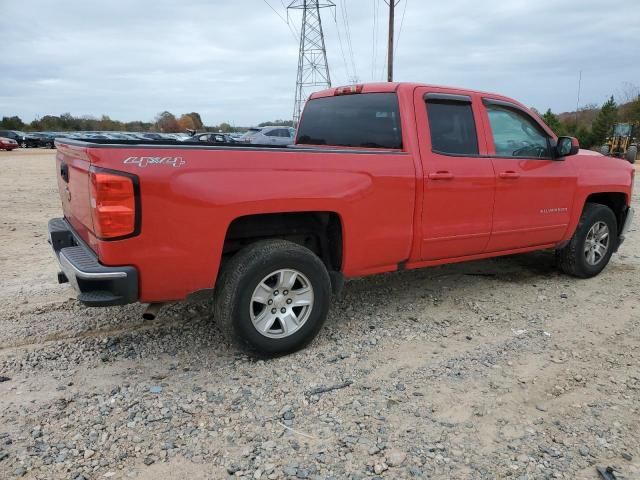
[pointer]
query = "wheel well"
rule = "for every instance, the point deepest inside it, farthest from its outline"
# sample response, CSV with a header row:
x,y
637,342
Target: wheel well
x,y
321,232
615,201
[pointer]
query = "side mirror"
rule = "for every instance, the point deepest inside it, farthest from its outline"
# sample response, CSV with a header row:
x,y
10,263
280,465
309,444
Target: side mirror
x,y
567,146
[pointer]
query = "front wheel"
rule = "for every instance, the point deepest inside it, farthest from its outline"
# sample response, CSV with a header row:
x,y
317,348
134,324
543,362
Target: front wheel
x,y
592,244
632,153
604,149
272,296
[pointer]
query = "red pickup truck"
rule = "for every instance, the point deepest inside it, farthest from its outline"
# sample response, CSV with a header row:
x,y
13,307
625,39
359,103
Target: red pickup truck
x,y
382,177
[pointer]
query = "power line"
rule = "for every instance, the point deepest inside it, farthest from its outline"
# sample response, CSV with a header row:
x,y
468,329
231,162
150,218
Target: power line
x,y
401,24
344,58
345,19
374,45
292,30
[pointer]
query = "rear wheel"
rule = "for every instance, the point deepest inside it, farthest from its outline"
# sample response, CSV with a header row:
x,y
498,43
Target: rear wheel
x,y
604,149
273,297
592,244
632,153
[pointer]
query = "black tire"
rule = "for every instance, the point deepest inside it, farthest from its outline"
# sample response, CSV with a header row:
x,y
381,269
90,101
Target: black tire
x,y
243,273
572,259
632,153
604,149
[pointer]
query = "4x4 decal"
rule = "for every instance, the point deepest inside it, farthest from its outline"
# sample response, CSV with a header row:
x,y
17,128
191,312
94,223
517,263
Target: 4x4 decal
x,y
144,161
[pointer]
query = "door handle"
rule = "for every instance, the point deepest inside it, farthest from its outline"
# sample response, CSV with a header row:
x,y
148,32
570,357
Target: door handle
x,y
441,176
509,174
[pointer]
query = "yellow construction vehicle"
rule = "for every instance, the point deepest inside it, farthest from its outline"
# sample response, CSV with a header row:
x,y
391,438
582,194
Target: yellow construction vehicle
x,y
623,141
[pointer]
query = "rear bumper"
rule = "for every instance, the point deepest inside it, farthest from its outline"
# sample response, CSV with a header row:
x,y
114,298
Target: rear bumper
x,y
96,284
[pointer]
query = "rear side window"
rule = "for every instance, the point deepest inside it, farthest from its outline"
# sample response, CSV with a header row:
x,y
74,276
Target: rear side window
x,y
368,120
453,129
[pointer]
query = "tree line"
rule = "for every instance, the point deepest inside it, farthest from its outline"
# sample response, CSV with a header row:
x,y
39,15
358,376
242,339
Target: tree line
x,y
590,125
596,123
164,122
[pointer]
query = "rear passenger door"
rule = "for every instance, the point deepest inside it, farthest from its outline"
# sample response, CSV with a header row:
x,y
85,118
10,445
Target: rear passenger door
x,y
458,182
534,191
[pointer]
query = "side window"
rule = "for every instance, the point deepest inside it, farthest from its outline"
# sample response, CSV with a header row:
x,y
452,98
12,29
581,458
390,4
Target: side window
x,y
515,134
272,133
453,129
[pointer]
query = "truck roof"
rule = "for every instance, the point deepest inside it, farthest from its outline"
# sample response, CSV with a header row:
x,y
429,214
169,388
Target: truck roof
x,y
383,87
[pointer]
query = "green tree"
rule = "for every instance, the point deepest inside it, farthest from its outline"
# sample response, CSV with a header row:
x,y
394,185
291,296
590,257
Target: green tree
x,y
553,122
633,112
12,123
603,123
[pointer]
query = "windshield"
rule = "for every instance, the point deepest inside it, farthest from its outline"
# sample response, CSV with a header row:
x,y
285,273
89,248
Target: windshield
x,y
622,130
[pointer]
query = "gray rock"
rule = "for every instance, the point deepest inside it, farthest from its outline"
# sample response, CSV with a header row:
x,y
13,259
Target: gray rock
x,y
584,450
395,457
291,470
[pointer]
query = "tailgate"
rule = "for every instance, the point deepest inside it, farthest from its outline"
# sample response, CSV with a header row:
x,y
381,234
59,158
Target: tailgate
x,y
73,165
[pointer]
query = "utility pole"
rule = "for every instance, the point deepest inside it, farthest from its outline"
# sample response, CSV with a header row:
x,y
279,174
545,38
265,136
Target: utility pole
x,y
392,8
578,99
313,69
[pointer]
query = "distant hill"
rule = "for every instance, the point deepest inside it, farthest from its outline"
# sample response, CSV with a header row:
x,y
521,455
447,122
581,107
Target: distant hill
x,y
588,113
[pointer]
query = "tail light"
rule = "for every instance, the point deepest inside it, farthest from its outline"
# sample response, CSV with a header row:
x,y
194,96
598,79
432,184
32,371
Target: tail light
x,y
114,204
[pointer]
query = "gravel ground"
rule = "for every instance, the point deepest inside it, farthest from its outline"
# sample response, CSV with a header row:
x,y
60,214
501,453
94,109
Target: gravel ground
x,y
491,369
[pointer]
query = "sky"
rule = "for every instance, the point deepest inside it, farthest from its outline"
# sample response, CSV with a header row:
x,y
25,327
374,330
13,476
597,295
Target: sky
x,y
235,60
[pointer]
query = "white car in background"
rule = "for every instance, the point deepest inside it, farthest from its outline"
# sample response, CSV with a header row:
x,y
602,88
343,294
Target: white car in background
x,y
273,135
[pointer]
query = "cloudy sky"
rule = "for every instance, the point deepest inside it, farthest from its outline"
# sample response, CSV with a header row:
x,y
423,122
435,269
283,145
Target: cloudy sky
x,y
236,60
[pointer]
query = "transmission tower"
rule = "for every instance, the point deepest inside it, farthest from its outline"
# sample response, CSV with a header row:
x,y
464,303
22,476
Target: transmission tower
x,y
313,69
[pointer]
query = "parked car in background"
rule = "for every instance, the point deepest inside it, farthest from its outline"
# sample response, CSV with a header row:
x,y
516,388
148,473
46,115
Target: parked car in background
x,y
246,136
209,137
47,139
23,139
273,135
8,143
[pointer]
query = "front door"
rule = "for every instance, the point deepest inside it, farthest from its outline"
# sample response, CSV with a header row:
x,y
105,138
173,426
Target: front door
x,y
534,191
458,182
